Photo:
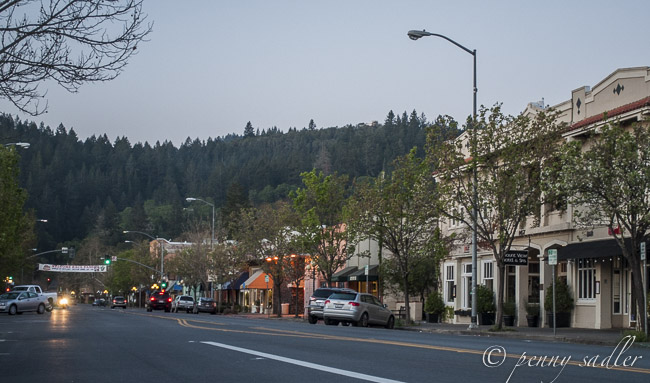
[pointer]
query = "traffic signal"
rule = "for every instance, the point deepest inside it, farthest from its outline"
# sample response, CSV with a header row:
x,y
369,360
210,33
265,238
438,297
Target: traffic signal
x,y
107,259
163,285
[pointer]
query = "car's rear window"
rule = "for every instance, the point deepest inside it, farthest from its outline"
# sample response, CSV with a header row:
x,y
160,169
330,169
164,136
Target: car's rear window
x,y
344,296
323,293
187,299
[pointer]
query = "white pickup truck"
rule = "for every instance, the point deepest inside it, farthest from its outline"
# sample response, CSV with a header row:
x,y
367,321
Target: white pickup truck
x,y
51,297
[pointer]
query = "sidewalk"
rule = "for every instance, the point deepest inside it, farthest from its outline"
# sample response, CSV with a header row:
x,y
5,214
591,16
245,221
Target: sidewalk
x,y
571,335
607,337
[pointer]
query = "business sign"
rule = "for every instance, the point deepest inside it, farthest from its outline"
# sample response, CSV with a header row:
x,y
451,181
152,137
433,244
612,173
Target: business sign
x,y
516,258
72,268
643,251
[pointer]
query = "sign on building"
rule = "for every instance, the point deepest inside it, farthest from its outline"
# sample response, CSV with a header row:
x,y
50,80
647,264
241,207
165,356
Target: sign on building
x,y
516,258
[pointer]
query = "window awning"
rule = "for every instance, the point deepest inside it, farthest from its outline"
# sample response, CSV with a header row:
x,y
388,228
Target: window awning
x,y
590,249
360,275
235,285
257,281
342,275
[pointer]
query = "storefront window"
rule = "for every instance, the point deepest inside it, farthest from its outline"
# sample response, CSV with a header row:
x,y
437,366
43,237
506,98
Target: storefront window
x,y
586,280
449,283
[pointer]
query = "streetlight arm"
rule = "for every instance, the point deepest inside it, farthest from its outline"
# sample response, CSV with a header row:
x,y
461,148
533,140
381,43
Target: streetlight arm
x,y
139,232
414,35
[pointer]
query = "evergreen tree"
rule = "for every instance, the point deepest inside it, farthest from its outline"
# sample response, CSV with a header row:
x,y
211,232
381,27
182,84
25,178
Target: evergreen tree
x,y
249,131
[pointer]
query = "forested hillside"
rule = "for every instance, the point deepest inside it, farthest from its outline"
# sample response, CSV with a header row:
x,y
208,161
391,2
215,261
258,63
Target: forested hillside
x,y
84,186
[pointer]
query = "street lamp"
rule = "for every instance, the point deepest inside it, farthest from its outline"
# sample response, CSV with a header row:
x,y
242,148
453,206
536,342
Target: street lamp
x,y
414,35
190,199
162,248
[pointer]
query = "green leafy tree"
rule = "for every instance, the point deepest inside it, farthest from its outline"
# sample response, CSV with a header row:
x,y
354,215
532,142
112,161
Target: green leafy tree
x,y
505,153
268,234
399,211
323,233
606,178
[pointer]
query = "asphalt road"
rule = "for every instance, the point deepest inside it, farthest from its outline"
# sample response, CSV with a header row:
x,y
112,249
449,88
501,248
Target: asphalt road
x,y
97,344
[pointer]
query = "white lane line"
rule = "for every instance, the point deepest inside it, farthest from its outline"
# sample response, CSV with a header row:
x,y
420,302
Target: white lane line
x,y
301,363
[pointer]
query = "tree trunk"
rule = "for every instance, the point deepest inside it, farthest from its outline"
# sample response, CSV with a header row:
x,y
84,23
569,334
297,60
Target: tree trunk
x,y
500,293
637,287
406,299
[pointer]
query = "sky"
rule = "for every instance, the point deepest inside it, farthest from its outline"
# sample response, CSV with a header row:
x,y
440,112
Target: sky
x,y
210,66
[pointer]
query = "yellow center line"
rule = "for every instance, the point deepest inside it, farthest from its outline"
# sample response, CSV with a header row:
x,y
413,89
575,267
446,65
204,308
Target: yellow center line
x,y
297,334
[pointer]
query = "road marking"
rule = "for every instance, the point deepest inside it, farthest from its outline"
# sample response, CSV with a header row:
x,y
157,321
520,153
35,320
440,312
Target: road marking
x,y
301,363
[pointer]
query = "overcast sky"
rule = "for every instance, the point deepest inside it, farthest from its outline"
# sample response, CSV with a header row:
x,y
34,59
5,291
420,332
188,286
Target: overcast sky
x,y
212,66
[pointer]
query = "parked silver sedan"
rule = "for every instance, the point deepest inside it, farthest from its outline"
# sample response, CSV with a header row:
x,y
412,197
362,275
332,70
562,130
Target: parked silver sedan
x,y
358,309
18,302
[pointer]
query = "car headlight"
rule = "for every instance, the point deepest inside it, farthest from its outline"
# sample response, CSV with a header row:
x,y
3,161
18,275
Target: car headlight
x,y
63,301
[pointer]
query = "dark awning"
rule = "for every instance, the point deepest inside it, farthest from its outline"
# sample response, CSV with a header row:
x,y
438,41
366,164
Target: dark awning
x,y
590,249
360,276
235,285
342,275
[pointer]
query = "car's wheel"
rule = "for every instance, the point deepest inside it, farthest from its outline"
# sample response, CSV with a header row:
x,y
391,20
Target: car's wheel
x,y
363,322
112,307
49,308
13,310
41,309
391,322
149,309
328,321
167,309
312,319
345,323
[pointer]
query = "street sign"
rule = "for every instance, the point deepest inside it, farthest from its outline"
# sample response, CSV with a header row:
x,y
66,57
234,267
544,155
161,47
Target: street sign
x,y
643,251
516,258
266,278
552,257
366,270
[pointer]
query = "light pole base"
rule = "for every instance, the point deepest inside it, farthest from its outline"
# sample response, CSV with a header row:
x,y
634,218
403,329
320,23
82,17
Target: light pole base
x,y
474,324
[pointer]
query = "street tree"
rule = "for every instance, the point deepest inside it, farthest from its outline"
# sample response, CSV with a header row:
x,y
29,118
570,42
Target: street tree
x,y
321,206
70,42
494,171
193,264
399,211
268,234
605,177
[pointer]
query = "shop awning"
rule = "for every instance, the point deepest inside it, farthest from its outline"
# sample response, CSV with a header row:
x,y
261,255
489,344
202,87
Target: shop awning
x,y
235,285
360,275
342,275
257,281
590,249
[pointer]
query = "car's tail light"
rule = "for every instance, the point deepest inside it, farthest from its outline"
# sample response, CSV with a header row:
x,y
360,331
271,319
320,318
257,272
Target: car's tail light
x,y
152,299
354,304
169,299
327,302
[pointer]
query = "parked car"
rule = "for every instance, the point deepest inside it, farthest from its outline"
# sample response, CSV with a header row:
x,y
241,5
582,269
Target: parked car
x,y
205,305
317,301
49,296
160,300
183,302
18,302
357,309
118,301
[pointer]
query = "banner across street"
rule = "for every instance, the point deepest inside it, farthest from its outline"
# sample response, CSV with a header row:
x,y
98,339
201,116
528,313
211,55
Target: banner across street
x,y
72,268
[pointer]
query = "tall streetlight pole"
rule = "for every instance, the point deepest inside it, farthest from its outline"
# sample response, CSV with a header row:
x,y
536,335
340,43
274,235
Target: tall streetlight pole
x,y
162,249
414,35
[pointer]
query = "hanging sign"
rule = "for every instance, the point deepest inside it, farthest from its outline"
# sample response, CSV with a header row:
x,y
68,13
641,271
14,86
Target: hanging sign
x,y
72,268
516,258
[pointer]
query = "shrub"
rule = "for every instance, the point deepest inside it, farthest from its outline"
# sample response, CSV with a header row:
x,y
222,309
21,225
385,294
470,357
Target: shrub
x,y
434,304
484,299
563,299
509,308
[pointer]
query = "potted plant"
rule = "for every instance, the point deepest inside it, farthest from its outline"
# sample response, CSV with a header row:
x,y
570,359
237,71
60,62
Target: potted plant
x,y
434,306
563,304
485,305
509,310
532,314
